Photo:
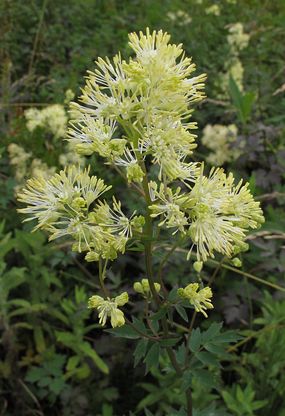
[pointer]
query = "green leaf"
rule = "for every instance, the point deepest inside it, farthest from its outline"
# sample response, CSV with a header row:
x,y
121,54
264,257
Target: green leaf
x,y
217,350
12,279
35,374
39,339
67,338
227,337
45,381
90,352
211,332
152,357
182,312
72,363
195,340
57,386
107,410
125,331
247,103
186,380
159,314
242,102
148,413
207,358
205,377
172,295
170,342
140,351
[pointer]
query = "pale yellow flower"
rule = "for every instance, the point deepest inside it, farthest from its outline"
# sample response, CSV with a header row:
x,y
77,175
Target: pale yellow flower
x,y
200,299
108,308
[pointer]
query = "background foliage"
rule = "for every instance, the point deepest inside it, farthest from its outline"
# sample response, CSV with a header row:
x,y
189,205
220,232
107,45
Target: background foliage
x,y
55,360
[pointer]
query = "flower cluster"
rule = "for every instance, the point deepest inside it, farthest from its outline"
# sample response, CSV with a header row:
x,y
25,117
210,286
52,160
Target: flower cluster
x,y
237,41
214,213
147,98
136,114
179,17
200,299
236,38
52,118
68,204
222,141
25,165
214,9
143,288
108,308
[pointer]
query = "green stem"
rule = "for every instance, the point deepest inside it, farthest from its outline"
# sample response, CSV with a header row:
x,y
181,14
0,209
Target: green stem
x,y
154,338
37,37
102,272
148,261
163,262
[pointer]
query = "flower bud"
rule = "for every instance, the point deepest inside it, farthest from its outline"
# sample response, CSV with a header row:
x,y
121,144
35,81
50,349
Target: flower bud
x,y
198,266
122,299
138,287
236,262
92,256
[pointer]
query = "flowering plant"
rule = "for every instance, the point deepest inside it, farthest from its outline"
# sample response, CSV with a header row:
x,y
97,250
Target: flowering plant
x,y
136,114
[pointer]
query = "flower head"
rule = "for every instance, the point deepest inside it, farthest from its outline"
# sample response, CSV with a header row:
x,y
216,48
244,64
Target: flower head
x,y
200,299
108,308
215,213
68,204
148,97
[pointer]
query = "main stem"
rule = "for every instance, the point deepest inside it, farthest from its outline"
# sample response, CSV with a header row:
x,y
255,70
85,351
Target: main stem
x,y
148,262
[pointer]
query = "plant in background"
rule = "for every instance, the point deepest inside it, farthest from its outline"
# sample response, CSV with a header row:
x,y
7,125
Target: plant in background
x,y
48,123
237,41
136,115
223,143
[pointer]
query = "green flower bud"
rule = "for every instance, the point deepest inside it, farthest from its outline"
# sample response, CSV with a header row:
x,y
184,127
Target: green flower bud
x,y
84,149
143,287
236,262
95,301
135,173
138,287
198,266
78,203
137,223
92,256
122,299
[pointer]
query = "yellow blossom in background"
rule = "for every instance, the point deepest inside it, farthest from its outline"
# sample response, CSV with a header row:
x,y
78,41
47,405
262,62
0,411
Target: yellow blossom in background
x,y
69,96
235,70
236,38
214,9
69,157
25,166
53,118
200,299
179,17
19,160
222,141
108,308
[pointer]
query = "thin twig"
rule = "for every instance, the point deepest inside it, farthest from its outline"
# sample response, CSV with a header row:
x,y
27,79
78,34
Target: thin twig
x,y
37,37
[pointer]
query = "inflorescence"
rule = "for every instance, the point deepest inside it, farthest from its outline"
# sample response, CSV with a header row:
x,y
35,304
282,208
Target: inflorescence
x,y
136,115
